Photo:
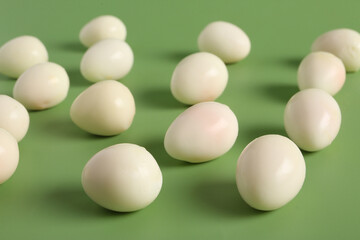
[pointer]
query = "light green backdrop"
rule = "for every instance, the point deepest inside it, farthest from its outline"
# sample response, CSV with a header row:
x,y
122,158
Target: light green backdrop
x,y
44,199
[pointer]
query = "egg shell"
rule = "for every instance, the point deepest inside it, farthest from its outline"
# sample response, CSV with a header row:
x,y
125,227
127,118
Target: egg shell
x,y
226,40
42,86
321,70
109,59
270,172
123,177
343,43
202,132
199,77
20,53
100,28
14,117
312,119
9,155
105,108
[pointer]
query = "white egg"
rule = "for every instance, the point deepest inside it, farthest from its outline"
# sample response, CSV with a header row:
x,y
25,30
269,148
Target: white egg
x,y
105,108
106,60
321,70
199,77
14,117
42,86
312,119
202,132
20,53
343,43
226,40
124,178
9,155
270,172
100,28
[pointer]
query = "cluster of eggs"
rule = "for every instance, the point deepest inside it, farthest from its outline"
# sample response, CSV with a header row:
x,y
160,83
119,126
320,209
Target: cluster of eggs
x,y
126,177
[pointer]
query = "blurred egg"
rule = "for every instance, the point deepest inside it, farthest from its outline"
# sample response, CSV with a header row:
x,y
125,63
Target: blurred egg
x,y
9,155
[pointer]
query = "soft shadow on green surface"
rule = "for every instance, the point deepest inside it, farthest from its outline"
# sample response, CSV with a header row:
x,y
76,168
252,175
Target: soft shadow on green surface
x,y
176,56
76,79
222,197
72,47
279,92
251,133
292,62
159,98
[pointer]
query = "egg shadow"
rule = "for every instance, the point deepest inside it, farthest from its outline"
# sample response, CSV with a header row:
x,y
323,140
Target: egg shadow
x,y
76,79
292,62
74,46
250,133
73,201
159,97
157,149
222,197
176,56
280,92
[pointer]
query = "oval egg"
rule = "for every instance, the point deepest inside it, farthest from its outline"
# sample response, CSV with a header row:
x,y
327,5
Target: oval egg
x,y
9,155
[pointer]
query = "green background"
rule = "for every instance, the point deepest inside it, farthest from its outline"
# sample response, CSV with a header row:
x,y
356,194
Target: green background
x,y
44,198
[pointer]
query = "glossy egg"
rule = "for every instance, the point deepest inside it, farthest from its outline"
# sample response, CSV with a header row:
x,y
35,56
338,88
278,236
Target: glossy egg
x,y
270,172
109,59
9,155
343,43
202,132
105,108
14,117
312,119
20,53
199,77
123,178
100,28
42,86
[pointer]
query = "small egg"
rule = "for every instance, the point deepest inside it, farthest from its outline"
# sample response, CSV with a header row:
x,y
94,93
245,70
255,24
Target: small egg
x,y
270,172
42,86
100,28
343,43
201,133
20,53
199,77
9,155
123,178
321,70
105,108
312,119
109,59
226,40
14,117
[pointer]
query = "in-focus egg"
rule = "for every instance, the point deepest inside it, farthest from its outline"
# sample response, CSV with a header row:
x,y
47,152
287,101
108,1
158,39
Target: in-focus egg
x,y
9,155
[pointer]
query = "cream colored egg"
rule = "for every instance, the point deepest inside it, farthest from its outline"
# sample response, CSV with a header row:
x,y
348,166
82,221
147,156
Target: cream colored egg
x,y
270,172
100,28
343,43
124,178
321,70
14,117
312,119
202,132
9,155
226,40
42,86
106,108
106,60
20,53
199,77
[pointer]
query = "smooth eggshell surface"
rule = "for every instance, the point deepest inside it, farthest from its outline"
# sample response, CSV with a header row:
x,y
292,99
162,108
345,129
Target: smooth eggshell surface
x,y
312,119
14,117
199,77
105,108
20,53
124,178
202,132
321,70
9,155
226,40
270,172
109,59
100,28
42,86
343,43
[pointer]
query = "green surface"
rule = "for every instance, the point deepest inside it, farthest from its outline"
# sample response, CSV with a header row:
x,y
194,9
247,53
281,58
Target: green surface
x,y
44,198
